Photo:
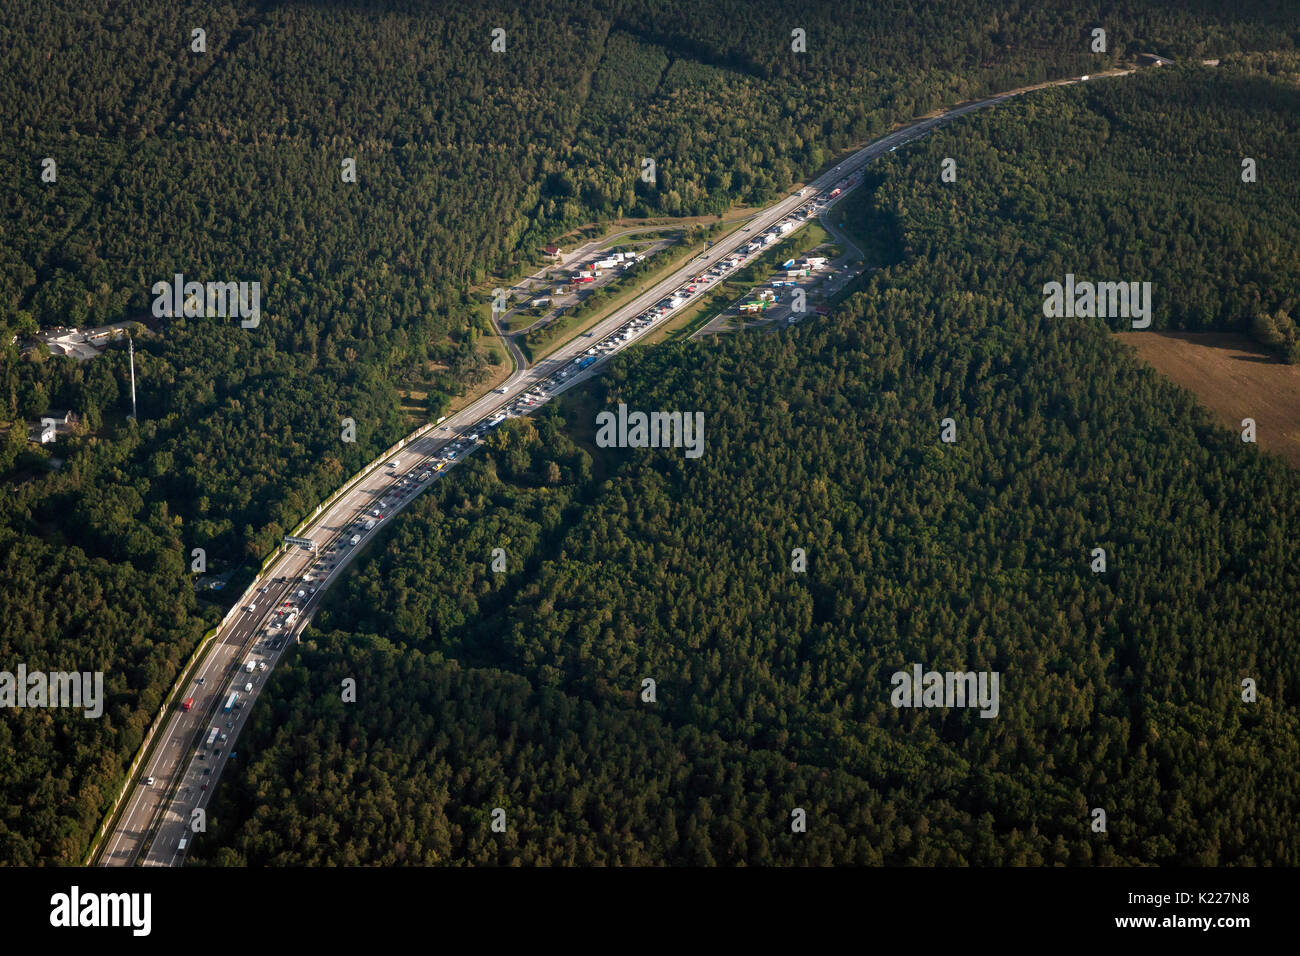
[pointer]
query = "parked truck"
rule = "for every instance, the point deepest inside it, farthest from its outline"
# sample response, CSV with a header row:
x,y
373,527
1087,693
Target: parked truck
x,y
356,540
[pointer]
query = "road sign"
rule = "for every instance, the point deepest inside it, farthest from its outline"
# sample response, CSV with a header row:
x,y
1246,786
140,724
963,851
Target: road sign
x,y
307,543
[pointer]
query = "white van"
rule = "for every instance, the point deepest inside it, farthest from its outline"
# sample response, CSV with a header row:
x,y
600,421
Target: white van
x,y
248,688
183,844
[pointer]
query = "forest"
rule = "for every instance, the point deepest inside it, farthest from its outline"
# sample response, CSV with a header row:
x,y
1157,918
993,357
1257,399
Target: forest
x,y
1122,687
226,165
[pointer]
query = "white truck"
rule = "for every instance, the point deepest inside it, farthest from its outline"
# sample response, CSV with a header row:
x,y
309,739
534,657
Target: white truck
x,y
249,665
356,540
370,523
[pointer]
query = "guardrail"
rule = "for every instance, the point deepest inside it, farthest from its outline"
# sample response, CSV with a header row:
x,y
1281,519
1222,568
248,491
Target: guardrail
x,y
201,648
146,745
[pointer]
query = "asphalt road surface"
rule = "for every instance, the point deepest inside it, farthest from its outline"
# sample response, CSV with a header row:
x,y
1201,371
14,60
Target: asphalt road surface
x,y
184,770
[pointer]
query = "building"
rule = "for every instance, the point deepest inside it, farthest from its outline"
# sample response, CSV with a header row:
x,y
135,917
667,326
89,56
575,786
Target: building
x,y
52,424
552,251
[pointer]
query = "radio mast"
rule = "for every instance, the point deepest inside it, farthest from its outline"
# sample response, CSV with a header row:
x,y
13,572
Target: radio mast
x,y
130,351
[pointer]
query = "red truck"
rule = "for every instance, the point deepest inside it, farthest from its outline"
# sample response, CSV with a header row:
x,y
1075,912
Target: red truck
x,y
189,702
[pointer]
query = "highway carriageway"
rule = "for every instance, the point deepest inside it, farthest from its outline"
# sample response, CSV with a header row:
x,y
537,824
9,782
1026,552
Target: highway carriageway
x,y
156,817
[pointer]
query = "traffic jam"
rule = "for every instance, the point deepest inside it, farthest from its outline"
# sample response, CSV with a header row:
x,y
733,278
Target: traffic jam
x,y
405,481
541,392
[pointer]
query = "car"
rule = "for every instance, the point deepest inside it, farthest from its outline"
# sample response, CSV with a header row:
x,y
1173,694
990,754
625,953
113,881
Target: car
x,y
202,679
205,786
224,738
148,781
206,771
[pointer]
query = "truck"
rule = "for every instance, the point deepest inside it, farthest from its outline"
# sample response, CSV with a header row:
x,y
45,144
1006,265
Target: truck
x,y
183,844
212,737
835,192
230,702
249,665
370,523
189,704
356,540
248,688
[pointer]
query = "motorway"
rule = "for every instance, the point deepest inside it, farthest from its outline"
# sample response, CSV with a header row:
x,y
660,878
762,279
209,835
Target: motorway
x,y
183,768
